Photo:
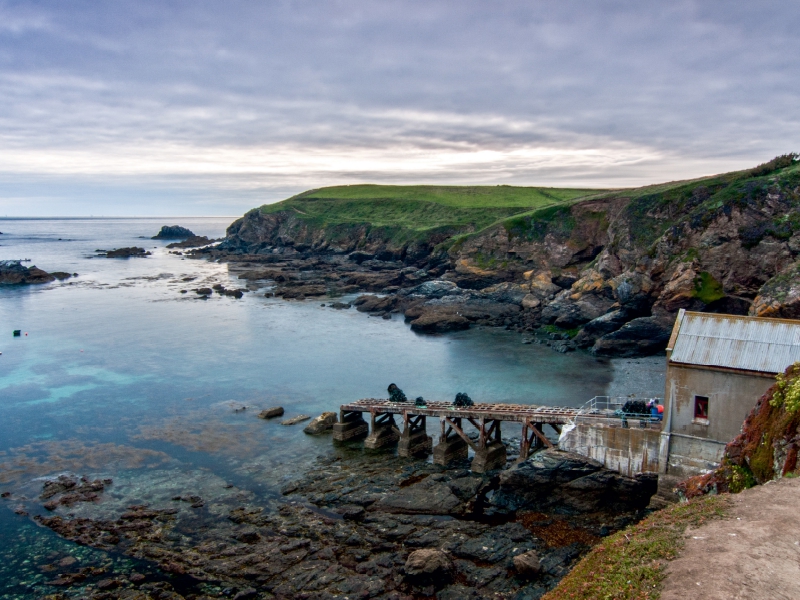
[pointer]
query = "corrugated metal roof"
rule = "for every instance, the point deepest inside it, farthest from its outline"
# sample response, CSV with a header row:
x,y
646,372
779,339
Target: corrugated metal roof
x,y
748,343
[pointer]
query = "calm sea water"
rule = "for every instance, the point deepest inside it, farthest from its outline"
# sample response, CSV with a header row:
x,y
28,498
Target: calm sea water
x,y
118,374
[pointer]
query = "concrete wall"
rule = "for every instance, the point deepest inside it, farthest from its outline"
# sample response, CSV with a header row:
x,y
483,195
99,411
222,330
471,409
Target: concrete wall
x,y
731,396
693,456
627,451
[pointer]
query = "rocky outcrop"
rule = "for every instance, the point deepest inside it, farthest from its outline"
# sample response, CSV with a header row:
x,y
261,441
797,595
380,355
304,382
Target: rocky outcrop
x,y
195,241
131,252
14,272
173,232
553,480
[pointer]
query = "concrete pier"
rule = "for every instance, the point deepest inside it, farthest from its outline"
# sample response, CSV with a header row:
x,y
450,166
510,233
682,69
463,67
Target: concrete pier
x,y
414,441
351,426
447,451
384,432
493,456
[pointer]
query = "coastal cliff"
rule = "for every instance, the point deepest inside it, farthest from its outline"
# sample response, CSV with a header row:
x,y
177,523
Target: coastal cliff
x,y
600,270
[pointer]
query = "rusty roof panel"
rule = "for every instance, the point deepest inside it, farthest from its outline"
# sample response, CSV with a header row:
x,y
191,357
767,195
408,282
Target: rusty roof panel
x,y
734,342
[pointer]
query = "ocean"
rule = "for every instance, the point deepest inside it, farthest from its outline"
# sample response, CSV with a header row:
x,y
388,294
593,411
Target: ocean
x,y
117,374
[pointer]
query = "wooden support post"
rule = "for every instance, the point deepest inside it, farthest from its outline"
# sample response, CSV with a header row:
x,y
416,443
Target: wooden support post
x,y
540,435
524,445
461,433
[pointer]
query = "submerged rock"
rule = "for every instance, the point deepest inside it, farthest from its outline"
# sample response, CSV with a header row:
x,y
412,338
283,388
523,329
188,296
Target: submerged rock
x,y
295,420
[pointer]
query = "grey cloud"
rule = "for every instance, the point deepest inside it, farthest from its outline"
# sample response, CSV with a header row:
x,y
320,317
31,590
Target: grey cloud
x,y
691,86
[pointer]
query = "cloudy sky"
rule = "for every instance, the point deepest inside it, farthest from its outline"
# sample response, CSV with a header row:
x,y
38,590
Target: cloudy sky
x,y
198,107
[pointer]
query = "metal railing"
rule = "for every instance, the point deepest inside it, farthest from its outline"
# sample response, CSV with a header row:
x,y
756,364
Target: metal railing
x,y
613,407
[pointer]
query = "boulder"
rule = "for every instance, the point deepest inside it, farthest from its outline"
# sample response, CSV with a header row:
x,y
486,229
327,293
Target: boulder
x,y
271,413
510,293
428,562
639,337
173,232
527,564
439,321
322,423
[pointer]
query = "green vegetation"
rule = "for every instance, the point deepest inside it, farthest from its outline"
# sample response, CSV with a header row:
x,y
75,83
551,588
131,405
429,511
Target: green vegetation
x,y
629,565
570,332
707,289
421,208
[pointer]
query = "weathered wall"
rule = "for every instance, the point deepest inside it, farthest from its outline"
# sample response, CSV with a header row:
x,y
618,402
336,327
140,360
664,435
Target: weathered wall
x,y
627,451
689,456
731,397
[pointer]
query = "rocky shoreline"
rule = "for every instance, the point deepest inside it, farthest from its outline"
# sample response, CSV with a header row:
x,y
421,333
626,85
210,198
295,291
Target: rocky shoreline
x,y
13,272
427,298
607,273
357,525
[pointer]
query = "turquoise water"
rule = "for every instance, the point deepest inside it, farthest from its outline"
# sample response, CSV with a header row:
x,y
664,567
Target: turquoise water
x,y
120,375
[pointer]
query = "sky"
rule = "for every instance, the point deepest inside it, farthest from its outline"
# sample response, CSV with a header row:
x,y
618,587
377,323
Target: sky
x,y
196,107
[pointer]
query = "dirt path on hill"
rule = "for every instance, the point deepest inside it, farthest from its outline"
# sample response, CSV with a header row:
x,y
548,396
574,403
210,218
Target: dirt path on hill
x,y
753,554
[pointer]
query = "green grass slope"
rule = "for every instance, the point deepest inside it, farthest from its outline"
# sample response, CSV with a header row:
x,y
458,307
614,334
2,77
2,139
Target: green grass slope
x,y
421,207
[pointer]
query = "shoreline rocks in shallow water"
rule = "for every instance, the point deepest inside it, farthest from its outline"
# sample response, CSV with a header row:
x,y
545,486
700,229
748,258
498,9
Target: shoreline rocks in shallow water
x,y
322,423
296,420
195,241
271,413
332,539
131,252
14,272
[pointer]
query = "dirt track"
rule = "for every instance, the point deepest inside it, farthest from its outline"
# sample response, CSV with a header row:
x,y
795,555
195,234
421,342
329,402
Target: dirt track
x,y
752,554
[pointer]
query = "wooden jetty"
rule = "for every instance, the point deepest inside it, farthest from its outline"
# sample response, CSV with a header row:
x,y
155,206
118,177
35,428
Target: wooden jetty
x,y
413,440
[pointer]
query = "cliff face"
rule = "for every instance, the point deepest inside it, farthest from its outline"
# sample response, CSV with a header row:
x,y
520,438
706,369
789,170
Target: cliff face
x,y
614,268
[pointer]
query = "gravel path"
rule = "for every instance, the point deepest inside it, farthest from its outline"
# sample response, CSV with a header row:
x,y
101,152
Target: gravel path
x,y
752,554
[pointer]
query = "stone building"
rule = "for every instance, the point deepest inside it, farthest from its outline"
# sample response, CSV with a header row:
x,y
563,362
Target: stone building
x,y
717,368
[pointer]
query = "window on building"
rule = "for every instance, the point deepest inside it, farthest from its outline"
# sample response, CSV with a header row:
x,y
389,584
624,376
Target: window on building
x,y
700,407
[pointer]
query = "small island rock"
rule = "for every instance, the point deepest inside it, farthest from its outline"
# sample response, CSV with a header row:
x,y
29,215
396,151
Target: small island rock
x,y
173,232
271,413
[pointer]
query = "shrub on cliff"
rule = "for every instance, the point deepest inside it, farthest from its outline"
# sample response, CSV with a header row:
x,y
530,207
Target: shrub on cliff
x,y
779,162
767,447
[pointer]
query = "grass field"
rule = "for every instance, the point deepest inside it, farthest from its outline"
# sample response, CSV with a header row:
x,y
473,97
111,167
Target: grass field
x,y
422,207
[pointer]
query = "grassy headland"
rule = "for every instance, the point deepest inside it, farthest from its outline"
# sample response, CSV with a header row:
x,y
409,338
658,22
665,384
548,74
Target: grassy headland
x,y
419,208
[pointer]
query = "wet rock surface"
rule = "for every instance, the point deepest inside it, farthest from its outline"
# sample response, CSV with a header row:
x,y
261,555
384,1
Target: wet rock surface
x,y
131,252
14,272
332,536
